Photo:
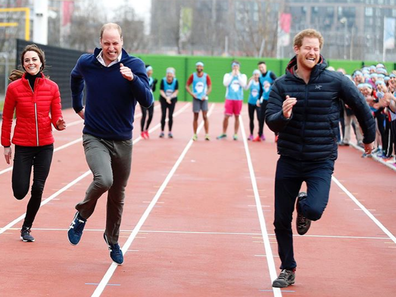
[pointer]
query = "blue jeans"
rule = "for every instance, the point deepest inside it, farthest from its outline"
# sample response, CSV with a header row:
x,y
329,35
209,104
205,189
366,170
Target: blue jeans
x,y
290,174
110,163
26,157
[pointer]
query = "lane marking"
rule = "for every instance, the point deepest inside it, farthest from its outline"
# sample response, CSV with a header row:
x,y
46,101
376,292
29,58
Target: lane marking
x,y
2,230
67,144
80,138
374,156
272,235
53,196
267,245
167,120
95,284
128,243
365,210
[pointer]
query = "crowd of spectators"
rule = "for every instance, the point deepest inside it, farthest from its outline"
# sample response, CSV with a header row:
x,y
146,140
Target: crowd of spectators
x,y
377,85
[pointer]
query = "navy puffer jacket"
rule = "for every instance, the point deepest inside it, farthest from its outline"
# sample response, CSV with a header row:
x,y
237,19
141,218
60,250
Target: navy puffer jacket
x,y
311,132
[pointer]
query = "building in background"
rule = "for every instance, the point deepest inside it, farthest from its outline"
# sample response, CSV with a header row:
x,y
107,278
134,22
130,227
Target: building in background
x,y
353,29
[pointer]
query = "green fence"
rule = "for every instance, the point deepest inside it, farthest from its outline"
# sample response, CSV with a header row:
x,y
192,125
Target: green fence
x,y
216,67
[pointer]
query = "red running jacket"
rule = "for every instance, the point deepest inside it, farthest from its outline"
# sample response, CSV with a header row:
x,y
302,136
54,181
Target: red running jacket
x,y
35,111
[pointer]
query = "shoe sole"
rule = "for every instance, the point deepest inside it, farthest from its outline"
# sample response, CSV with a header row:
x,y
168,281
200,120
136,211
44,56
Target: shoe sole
x,y
108,246
282,285
25,240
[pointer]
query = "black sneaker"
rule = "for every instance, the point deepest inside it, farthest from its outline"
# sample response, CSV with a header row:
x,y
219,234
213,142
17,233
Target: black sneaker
x,y
115,251
302,223
285,279
25,234
76,229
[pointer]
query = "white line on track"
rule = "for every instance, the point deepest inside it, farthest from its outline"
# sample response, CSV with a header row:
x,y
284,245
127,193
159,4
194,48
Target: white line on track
x,y
53,196
57,148
365,210
79,139
256,235
2,230
267,245
145,215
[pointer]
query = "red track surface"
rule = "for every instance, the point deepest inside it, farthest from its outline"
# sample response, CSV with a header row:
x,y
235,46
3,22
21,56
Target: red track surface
x,y
191,225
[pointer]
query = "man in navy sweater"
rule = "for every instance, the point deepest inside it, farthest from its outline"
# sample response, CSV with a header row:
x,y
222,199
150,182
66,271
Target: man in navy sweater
x,y
115,82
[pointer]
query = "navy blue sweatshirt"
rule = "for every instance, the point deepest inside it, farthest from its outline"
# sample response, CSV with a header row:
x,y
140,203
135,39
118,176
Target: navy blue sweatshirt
x,y
110,98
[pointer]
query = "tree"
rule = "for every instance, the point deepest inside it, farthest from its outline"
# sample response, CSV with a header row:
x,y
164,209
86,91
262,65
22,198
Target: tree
x,y
132,28
87,19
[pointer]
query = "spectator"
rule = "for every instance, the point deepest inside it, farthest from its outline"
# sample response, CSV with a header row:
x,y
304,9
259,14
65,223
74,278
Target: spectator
x,y
253,102
267,78
144,125
169,89
234,82
201,88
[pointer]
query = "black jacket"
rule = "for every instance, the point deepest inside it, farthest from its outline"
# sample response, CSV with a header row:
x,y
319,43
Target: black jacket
x,y
311,132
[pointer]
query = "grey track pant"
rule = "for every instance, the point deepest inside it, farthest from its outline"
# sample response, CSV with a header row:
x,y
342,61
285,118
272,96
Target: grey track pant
x,y
110,163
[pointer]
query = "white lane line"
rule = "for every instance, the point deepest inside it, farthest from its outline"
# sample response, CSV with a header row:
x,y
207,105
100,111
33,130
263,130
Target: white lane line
x,y
365,210
53,196
2,230
126,246
144,232
175,114
73,141
68,144
267,245
374,156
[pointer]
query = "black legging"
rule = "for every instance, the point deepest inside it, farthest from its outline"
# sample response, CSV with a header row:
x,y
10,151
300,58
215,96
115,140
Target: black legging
x,y
381,126
40,159
387,145
164,107
393,135
150,112
263,107
252,109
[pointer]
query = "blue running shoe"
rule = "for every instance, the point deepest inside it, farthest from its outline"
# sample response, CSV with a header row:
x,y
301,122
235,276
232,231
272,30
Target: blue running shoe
x,y
115,251
25,234
76,229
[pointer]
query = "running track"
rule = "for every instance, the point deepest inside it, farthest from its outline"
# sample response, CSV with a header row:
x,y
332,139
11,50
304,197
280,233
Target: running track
x,y
198,222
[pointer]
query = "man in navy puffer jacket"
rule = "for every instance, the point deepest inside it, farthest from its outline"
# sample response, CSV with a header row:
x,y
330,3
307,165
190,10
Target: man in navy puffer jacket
x,y
303,108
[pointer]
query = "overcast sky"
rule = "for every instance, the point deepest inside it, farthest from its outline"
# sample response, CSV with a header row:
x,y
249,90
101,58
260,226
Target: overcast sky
x,y
141,7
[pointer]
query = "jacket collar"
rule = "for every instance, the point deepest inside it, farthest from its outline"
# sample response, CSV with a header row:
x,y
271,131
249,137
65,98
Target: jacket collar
x,y
98,50
320,66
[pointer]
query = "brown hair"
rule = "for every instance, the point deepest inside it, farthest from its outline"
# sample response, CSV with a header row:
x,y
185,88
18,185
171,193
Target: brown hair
x,y
110,26
312,33
17,73
34,48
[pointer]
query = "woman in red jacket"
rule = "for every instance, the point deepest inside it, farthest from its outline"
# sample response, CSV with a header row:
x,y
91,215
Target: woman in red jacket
x,y
36,102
